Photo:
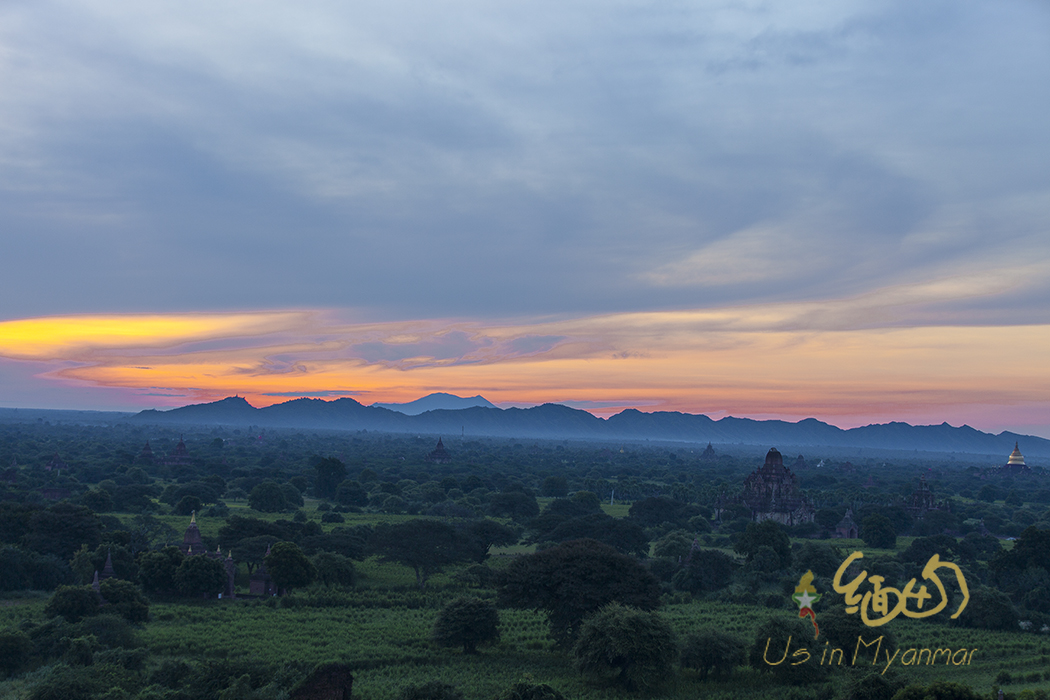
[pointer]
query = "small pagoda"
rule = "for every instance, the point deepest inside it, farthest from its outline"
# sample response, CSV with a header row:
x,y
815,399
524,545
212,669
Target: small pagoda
x,y
847,527
922,501
440,455
179,456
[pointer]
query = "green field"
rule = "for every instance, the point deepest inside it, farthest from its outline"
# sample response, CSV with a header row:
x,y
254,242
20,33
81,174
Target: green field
x,y
381,629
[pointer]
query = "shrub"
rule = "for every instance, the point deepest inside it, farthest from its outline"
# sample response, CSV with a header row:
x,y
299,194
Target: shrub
x,y
334,569
713,653
198,575
124,599
267,497
15,649
632,648
528,691
775,643
73,603
467,622
432,690
187,505
878,531
939,690
289,567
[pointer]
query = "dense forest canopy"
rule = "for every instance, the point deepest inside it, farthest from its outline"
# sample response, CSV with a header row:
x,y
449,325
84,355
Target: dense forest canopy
x,y
324,519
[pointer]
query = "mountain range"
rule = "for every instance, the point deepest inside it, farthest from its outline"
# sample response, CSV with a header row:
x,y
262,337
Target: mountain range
x,y
554,421
436,402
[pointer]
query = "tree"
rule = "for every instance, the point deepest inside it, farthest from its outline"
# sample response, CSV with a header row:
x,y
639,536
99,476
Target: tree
x,y
531,691
713,653
124,599
988,609
289,567
330,474
292,496
187,505
878,531
98,500
157,569
62,529
15,650
842,629
351,493
198,575
21,569
513,504
774,640
938,690
147,530
706,570
619,533
424,545
632,648
574,579
1030,550
767,533
74,603
351,542
431,690
86,563
334,569
674,545
558,511
267,497
821,558
239,528
466,622
872,686
656,510
555,487
483,534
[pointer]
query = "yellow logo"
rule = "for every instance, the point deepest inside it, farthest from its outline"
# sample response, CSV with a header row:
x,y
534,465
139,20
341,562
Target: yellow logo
x,y
878,599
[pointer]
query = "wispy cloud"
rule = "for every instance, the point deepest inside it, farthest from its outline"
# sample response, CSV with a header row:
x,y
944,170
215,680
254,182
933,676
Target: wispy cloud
x,y
861,359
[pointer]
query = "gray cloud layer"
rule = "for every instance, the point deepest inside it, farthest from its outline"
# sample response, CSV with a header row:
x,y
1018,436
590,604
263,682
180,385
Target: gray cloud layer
x,y
481,159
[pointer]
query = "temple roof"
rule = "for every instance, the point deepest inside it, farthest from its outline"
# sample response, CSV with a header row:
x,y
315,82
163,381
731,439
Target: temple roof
x,y
1015,457
193,533
440,454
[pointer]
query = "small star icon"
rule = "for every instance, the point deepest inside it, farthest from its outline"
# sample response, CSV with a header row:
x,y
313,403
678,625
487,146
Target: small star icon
x,y
805,599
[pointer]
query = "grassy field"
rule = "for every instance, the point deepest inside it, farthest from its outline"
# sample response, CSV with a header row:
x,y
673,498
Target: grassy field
x,y
382,629
390,648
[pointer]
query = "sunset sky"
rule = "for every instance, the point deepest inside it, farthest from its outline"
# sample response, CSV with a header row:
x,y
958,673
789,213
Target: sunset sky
x,y
828,209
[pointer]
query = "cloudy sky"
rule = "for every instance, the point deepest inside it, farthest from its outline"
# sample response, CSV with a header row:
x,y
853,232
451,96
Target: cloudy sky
x,y
830,209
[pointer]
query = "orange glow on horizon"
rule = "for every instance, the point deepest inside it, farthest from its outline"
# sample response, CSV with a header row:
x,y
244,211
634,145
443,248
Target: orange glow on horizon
x,y
665,361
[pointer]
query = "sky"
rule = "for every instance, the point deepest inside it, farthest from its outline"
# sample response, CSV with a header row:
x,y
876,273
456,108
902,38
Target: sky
x,y
837,210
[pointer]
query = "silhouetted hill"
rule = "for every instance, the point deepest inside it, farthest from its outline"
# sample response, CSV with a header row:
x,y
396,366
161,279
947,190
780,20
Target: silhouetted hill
x,y
437,402
557,421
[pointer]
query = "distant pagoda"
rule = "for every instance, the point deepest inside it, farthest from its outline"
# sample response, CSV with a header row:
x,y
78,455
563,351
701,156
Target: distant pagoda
x,y
922,501
440,455
1015,466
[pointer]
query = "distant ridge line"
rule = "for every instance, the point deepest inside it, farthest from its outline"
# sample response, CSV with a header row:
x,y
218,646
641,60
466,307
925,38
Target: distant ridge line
x,y
554,421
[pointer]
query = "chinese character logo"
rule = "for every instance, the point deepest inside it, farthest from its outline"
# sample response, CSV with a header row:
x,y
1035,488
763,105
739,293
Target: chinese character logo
x,y
805,596
887,603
